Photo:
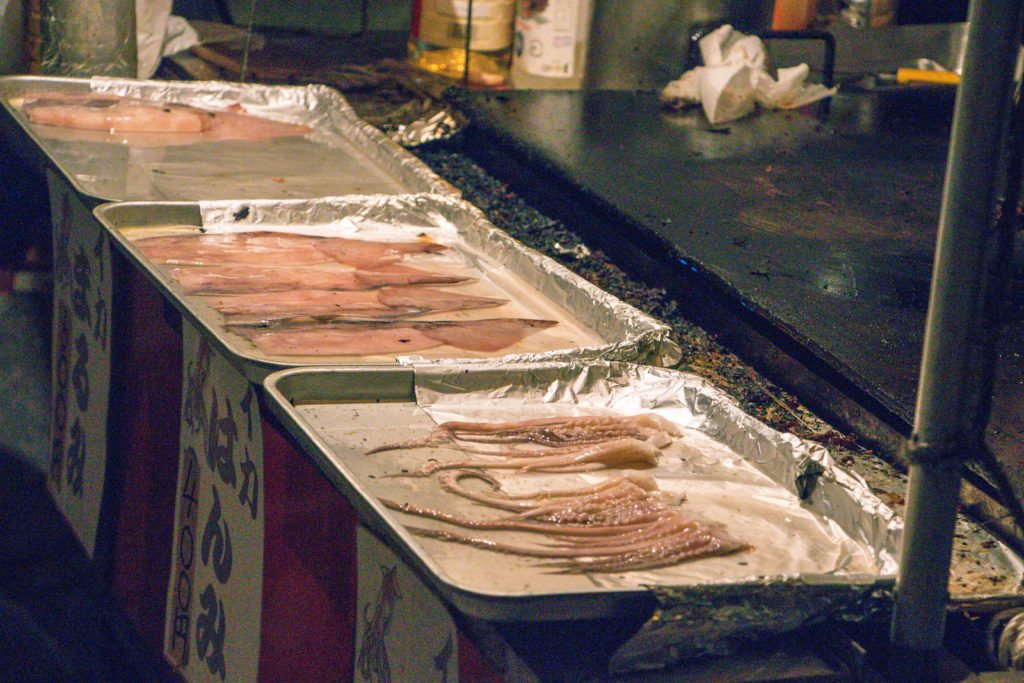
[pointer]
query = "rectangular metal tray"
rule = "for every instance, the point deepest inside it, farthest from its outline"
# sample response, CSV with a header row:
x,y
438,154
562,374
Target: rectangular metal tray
x,y
343,155
592,323
837,545
832,553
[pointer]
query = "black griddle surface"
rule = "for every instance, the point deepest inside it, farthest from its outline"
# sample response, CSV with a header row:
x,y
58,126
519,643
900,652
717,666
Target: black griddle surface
x,y
824,230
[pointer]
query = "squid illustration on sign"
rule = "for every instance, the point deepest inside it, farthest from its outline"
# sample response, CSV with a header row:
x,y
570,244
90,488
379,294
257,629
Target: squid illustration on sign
x,y
195,384
372,659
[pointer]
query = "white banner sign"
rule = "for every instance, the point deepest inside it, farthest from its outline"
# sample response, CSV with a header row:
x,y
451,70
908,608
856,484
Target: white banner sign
x,y
214,600
82,301
403,632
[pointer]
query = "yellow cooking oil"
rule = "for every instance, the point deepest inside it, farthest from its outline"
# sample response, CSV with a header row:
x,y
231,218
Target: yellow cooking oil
x,y
437,39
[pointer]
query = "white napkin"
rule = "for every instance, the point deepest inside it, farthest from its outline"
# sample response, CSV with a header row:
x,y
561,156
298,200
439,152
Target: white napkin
x,y
735,79
158,34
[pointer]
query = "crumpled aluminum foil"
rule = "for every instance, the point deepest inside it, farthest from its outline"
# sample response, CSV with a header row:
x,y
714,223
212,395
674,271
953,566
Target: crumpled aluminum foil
x,y
407,104
438,126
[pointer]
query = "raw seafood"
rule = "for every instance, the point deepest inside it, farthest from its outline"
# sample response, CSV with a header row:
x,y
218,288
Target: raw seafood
x,y
108,112
148,122
492,334
592,510
625,452
360,253
387,302
270,249
620,525
364,338
550,431
251,279
532,504
277,249
676,540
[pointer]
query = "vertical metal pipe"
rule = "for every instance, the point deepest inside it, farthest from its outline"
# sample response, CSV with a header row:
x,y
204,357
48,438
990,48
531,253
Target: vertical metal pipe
x,y
247,48
938,446
469,39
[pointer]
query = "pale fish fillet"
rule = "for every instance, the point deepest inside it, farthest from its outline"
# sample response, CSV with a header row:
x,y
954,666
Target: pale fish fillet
x,y
387,302
493,334
251,279
235,124
110,113
276,249
230,240
269,249
365,338
147,122
362,252
367,341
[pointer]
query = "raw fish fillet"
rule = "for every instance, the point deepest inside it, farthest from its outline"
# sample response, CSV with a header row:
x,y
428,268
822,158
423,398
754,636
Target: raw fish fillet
x,y
486,335
276,249
370,338
388,302
146,122
365,252
230,240
111,113
251,279
268,249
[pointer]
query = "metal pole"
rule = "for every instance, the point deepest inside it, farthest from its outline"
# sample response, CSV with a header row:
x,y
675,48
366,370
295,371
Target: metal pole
x,y
940,442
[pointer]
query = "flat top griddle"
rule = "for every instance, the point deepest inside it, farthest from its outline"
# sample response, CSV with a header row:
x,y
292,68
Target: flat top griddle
x,y
825,229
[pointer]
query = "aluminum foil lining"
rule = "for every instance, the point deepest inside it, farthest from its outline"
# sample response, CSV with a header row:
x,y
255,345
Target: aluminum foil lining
x,y
629,334
343,154
816,549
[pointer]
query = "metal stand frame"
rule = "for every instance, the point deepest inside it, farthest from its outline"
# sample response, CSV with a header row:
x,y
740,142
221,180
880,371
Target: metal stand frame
x,y
944,432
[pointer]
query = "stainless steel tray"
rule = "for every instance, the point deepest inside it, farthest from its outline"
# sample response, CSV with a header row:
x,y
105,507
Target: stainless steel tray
x,y
837,545
343,155
592,323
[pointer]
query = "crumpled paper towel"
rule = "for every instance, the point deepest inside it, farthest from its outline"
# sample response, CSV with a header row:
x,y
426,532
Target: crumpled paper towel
x,y
735,79
158,34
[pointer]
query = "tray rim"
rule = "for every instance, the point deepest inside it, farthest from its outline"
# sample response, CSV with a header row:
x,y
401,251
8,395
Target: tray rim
x,y
37,140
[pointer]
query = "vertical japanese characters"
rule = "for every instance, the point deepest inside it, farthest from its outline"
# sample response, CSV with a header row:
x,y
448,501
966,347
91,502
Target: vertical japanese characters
x,y
82,322
216,580
82,303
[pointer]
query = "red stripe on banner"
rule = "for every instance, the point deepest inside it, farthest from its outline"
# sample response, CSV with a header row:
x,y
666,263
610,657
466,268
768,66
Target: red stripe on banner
x,y
145,417
473,668
309,569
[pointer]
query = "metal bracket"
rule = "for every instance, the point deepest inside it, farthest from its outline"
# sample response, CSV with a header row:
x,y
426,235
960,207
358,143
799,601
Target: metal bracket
x,y
918,452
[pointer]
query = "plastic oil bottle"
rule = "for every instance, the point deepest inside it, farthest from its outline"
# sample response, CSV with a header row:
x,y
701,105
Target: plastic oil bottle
x,y
438,39
550,46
